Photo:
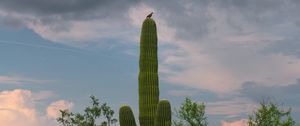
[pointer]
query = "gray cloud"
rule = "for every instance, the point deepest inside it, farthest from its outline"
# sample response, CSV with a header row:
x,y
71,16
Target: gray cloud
x,y
286,47
188,17
11,21
196,19
286,94
50,7
50,12
192,19
66,7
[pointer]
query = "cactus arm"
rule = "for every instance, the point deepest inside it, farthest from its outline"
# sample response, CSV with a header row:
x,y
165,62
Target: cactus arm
x,y
163,114
126,116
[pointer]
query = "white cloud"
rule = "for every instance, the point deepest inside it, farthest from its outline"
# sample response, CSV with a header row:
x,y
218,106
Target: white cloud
x,y
53,108
137,15
81,32
242,122
221,75
19,80
18,108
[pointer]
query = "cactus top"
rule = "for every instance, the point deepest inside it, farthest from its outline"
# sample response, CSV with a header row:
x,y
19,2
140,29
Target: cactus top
x,y
148,47
148,21
126,117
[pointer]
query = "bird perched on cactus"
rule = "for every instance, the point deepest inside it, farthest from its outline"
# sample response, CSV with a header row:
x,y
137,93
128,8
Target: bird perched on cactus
x,y
150,15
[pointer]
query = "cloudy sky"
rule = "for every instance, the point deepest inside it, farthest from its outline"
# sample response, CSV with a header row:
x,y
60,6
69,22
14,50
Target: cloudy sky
x,y
229,54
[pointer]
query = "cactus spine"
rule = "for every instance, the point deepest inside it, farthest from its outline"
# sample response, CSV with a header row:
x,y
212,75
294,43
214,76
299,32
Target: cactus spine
x,y
148,75
126,116
163,114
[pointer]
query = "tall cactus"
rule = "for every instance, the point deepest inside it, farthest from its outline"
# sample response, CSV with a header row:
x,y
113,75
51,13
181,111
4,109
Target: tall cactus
x,y
163,114
126,116
148,84
148,75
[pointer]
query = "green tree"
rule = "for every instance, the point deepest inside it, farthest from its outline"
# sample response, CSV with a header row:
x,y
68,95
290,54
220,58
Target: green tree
x,y
89,117
191,113
269,114
108,113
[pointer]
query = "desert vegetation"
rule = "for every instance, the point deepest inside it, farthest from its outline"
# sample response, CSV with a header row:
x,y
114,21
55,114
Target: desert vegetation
x,y
156,112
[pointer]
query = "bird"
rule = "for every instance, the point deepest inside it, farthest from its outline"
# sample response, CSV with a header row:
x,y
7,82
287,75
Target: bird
x,y
149,15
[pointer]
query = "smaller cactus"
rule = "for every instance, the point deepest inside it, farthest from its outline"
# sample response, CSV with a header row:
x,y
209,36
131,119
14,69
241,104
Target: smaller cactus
x,y
126,116
163,114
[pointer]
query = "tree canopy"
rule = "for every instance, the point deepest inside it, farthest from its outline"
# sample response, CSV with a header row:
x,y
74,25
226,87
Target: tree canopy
x,y
270,114
191,113
90,115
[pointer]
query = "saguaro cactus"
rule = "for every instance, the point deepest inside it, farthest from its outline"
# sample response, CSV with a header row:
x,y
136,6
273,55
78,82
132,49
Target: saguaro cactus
x,y
148,84
163,114
148,75
126,116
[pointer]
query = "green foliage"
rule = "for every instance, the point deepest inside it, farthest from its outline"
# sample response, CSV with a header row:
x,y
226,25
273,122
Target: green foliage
x,y
108,113
148,75
163,114
269,114
126,116
191,113
90,116
65,118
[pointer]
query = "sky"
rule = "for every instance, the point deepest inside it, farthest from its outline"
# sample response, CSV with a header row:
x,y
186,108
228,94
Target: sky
x,y
229,54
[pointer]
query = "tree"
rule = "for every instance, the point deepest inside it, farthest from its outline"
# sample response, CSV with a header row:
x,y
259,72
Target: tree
x,y
191,113
108,113
269,114
89,117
